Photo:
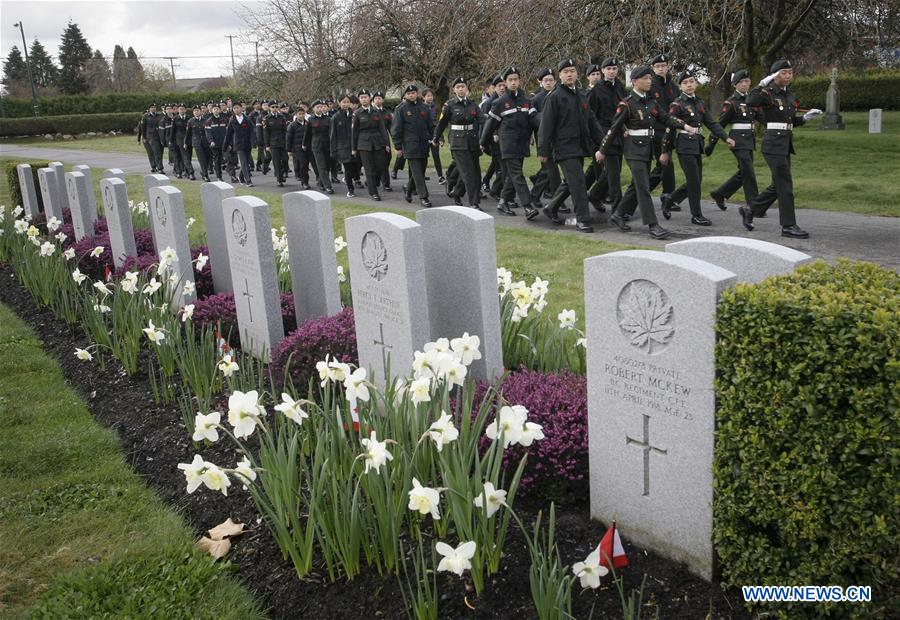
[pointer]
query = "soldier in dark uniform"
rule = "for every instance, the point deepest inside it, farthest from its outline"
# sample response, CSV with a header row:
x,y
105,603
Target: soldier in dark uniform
x,y
516,119
341,147
693,111
378,106
547,179
274,127
164,131
239,139
412,129
568,133
495,169
148,134
464,119
594,169
779,107
317,142
369,138
603,99
179,133
215,135
294,145
195,140
637,114
738,113
435,149
665,91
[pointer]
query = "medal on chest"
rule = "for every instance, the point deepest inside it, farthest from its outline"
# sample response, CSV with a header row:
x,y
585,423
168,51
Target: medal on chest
x,y
641,114
690,110
780,104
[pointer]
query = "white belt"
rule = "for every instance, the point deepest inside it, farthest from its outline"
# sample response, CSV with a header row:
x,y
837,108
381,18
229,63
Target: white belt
x,y
639,132
460,127
742,126
514,110
699,131
781,126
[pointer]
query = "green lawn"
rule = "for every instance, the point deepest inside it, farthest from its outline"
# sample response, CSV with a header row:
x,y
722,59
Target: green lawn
x,y
846,170
81,536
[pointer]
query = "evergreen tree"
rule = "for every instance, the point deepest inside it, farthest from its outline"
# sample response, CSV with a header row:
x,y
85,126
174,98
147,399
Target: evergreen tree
x,y
42,68
74,53
98,74
15,73
135,67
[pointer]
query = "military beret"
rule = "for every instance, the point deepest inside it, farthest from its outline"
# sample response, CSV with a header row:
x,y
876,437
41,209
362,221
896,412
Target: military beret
x,y
640,71
498,79
215,105
329,100
364,91
378,93
510,71
181,105
659,58
411,88
460,80
285,104
196,107
687,73
609,62
739,75
565,63
152,105
592,68
317,102
255,101
778,65
544,73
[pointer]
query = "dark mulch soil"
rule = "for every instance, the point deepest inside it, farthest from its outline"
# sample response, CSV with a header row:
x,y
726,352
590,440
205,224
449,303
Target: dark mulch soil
x,y
154,440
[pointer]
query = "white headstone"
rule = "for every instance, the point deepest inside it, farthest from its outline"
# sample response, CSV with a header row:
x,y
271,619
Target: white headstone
x,y
167,218
86,171
212,195
310,237
113,173
387,283
26,187
60,172
53,204
84,214
249,237
875,120
151,181
461,270
118,219
751,260
650,326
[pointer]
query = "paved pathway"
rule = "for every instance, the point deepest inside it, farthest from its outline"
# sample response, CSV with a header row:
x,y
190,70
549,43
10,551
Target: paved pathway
x,y
833,234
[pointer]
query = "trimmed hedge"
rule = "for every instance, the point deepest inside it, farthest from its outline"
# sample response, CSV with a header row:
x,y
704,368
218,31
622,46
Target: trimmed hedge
x,y
12,182
65,105
72,124
808,434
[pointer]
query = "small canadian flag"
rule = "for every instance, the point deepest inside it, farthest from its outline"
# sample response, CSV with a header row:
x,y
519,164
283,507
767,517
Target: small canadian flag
x,y
611,549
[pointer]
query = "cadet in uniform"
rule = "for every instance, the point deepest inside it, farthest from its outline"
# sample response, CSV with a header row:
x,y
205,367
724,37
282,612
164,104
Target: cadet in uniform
x,y
239,140
179,134
195,140
148,133
603,99
434,149
294,145
665,92
341,141
274,127
495,168
464,118
689,146
369,139
263,157
388,117
215,134
778,105
317,142
412,130
637,114
547,179
164,131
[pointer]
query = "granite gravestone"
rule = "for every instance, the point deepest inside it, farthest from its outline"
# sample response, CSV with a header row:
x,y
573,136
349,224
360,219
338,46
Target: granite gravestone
x,y
118,219
750,259
83,213
151,181
212,195
50,193
832,118
461,271
113,173
26,188
875,120
86,171
60,172
253,270
167,218
310,237
650,327
387,283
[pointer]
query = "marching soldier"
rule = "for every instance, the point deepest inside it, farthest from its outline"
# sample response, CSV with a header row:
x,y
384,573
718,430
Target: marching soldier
x,y
165,133
594,75
464,119
294,144
547,179
603,99
779,107
435,149
594,170
388,117
665,92
495,168
317,142
369,139
274,127
569,131
412,129
195,140
637,114
179,135
148,134
239,140
689,146
215,134
341,141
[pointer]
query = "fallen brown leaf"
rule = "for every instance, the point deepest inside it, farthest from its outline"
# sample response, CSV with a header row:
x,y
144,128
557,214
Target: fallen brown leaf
x,y
216,548
226,529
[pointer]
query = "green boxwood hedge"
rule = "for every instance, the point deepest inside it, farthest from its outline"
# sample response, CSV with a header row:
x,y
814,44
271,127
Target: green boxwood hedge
x,y
808,435
65,105
12,182
71,124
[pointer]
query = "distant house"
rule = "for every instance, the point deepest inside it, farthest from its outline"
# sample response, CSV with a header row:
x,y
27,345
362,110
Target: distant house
x,y
192,85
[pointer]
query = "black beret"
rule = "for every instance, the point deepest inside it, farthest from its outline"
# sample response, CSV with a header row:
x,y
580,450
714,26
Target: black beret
x,y
329,100
412,88
687,73
152,105
378,93
659,58
510,71
609,62
565,63
284,104
364,91
592,68
489,81
739,75
181,105
640,71
255,101
272,102
498,79
460,80
215,105
778,65
196,107
544,73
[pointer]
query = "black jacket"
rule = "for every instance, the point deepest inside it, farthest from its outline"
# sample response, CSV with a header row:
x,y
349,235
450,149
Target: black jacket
x,y
369,131
195,135
640,114
318,133
148,129
464,118
412,129
215,131
179,129
517,119
274,128
485,110
736,110
341,145
692,111
239,135
295,134
569,128
777,105
663,89
603,99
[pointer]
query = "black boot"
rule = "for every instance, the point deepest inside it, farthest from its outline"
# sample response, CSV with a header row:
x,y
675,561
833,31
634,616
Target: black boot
x,y
658,232
720,201
746,217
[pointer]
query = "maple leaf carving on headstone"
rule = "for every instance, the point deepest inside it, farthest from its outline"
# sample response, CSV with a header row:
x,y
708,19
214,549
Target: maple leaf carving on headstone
x,y
646,316
374,256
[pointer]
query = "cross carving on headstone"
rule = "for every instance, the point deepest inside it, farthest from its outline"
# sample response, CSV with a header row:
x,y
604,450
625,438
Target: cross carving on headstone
x,y
247,294
645,444
383,346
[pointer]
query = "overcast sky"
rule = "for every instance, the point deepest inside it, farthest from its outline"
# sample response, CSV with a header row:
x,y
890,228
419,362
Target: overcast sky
x,y
153,28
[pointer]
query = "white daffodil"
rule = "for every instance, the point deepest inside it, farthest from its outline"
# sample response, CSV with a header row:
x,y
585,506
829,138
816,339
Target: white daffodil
x,y
510,422
456,560
442,431
376,453
20,226
61,236
84,355
151,287
291,409
521,294
35,241
78,276
339,244
244,411
153,334
202,259
495,499
581,342
531,432
69,254
187,313
590,571
102,287
326,373
518,313
53,224
539,305
205,426
102,308
452,371
190,222
215,479
97,251
193,472
245,471
19,210
504,280
420,390
539,287
441,345
228,366
129,282
189,288
166,258
340,274
339,371
33,232
466,348
355,386
425,500
174,278
566,319
47,249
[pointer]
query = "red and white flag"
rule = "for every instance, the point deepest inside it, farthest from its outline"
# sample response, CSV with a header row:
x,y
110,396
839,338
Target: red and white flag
x,y
611,549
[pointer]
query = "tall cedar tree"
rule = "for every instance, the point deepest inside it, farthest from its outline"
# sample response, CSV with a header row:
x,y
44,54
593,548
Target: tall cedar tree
x,y
42,68
74,53
15,74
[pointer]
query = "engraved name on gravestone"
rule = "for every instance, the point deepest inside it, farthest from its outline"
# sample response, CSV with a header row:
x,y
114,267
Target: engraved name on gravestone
x,y
83,214
60,175
167,217
26,187
50,193
255,277
118,219
751,260
461,270
212,195
310,236
389,292
88,175
650,327
151,181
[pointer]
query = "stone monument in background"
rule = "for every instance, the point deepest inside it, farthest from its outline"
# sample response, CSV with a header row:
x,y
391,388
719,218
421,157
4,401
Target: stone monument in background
x,y
832,119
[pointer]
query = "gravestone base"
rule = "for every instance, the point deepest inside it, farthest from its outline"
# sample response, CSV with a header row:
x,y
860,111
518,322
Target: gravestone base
x,y
832,121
